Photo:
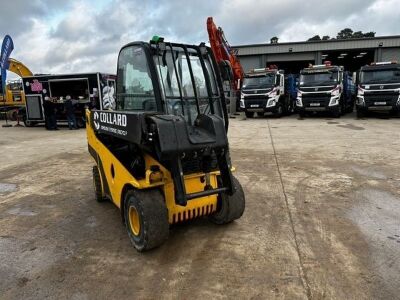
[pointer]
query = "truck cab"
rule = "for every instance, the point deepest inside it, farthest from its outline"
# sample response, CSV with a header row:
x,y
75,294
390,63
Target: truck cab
x,y
263,90
325,88
379,88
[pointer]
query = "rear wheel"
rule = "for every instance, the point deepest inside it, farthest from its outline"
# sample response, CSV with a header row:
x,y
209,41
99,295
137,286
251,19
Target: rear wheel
x,y
98,188
230,208
146,219
249,114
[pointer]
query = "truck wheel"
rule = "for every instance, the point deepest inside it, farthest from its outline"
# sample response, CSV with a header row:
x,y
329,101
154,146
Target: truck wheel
x,y
337,112
360,113
249,114
279,110
302,114
350,109
146,219
229,208
98,189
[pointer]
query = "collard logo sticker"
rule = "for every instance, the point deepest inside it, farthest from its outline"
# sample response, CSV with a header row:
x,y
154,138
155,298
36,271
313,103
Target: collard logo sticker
x,y
36,86
110,122
96,120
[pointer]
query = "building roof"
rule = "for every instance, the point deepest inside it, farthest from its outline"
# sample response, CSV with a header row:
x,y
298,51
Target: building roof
x,y
307,46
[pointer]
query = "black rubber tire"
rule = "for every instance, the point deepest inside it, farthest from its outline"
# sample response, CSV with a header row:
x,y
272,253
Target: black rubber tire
x,y
230,208
153,218
279,110
337,112
249,114
360,113
350,109
98,190
260,114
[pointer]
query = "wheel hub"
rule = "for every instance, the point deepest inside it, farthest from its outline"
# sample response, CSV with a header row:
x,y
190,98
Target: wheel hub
x,y
134,220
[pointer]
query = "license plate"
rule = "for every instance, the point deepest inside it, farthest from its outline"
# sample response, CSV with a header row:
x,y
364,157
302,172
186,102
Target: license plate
x,y
380,103
254,105
314,104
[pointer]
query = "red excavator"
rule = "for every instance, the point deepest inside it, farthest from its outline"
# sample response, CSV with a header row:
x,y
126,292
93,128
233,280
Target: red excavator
x,y
224,54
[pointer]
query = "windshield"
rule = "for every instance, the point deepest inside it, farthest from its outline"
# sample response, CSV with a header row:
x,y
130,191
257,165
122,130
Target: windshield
x,y
135,87
380,76
183,81
320,78
259,82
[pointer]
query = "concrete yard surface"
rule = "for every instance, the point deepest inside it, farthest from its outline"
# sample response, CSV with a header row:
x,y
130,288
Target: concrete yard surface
x,y
322,219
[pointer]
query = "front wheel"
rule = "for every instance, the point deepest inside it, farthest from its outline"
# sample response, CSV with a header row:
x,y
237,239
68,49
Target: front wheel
x,y
279,110
230,208
146,219
337,111
360,113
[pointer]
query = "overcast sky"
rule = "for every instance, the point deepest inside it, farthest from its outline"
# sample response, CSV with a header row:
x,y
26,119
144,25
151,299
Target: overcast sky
x,y
80,36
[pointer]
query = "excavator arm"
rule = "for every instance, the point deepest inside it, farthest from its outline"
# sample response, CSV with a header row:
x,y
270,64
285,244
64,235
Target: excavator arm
x,y
18,68
224,53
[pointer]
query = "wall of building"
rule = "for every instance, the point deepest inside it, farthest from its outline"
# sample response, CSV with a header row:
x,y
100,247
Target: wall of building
x,y
389,54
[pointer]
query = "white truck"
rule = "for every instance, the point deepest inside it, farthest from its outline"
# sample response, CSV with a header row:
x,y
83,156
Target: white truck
x,y
263,91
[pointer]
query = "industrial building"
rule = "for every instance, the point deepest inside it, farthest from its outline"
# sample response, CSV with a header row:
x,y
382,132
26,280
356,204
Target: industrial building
x,y
350,53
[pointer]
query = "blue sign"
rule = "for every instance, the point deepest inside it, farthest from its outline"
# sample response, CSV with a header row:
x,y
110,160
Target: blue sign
x,y
6,48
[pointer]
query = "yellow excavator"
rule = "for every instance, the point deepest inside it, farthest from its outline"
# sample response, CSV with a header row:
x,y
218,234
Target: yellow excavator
x,y
14,97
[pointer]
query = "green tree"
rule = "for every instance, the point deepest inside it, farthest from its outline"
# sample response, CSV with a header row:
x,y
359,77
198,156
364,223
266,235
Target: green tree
x,y
315,38
325,37
346,33
369,34
274,40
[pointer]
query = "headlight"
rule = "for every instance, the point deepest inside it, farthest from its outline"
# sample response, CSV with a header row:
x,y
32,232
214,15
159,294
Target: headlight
x,y
298,94
360,91
241,96
360,100
334,101
335,92
299,103
242,103
272,93
271,102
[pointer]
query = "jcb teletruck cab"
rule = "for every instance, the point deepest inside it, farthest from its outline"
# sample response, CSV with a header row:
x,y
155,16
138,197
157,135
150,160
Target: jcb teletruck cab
x,y
325,88
162,156
263,90
379,88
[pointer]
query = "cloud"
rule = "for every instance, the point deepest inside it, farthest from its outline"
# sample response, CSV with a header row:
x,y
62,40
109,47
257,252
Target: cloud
x,y
83,35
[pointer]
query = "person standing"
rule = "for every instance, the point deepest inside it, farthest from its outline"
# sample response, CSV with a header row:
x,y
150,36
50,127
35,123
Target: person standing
x,y
50,114
69,106
47,112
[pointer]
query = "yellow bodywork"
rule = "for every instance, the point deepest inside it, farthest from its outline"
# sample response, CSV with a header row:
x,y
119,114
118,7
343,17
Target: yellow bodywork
x,y
161,179
15,97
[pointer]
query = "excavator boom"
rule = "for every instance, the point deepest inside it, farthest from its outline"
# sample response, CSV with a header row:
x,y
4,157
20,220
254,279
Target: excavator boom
x,y
224,53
